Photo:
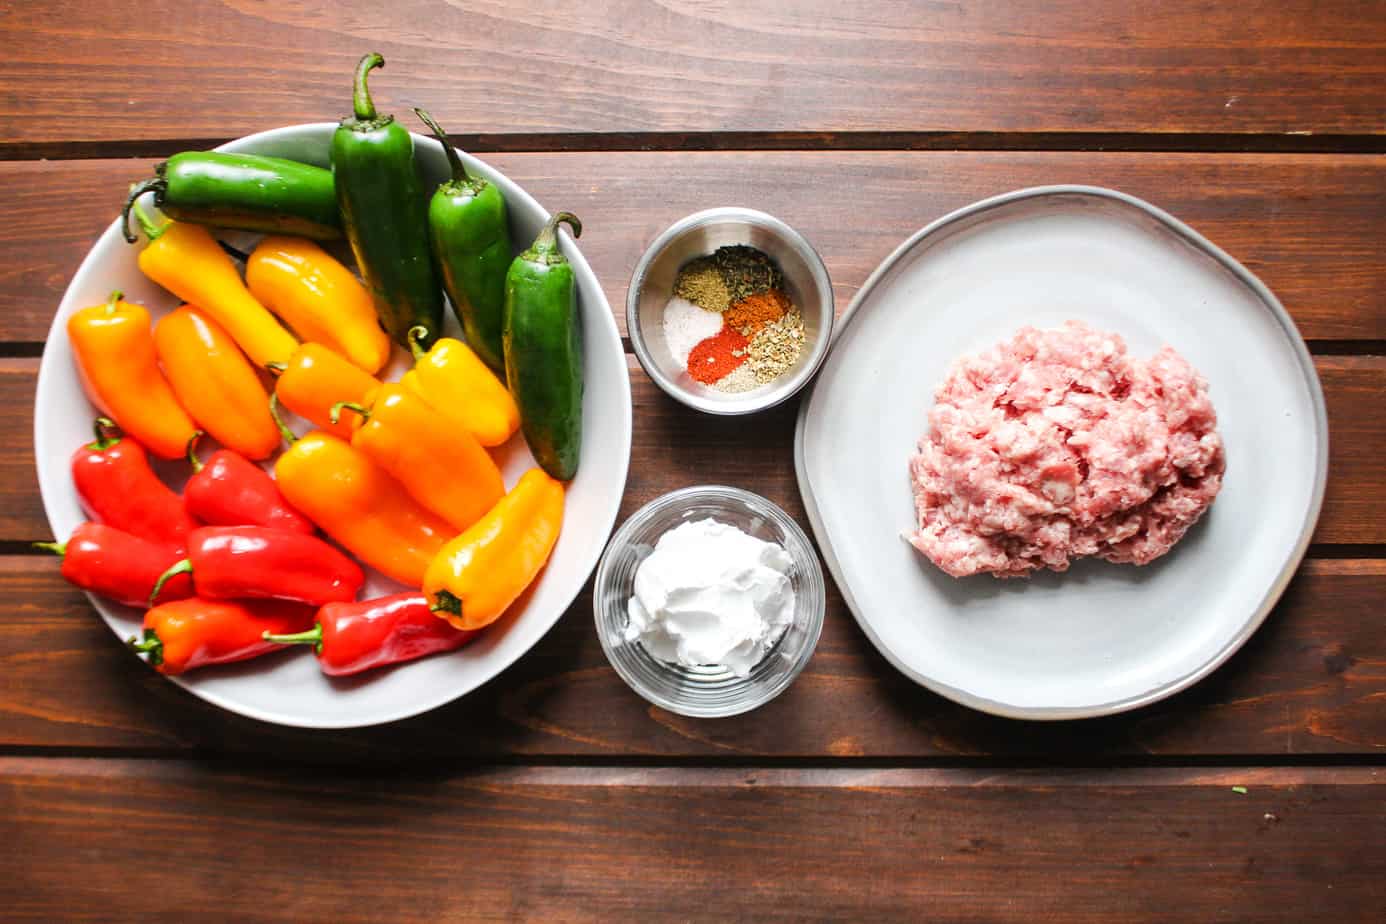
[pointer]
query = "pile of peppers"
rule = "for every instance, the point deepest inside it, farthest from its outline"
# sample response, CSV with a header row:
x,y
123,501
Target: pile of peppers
x,y
265,548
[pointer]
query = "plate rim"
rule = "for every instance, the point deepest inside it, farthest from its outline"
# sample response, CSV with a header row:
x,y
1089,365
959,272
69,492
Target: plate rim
x,y
414,707
1277,586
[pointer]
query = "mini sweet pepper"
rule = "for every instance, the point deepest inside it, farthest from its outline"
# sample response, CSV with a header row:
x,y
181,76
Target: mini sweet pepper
x,y
479,574
357,503
459,386
442,467
119,368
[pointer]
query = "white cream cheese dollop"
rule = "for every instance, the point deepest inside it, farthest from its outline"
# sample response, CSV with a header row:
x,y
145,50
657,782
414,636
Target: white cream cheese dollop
x,y
711,594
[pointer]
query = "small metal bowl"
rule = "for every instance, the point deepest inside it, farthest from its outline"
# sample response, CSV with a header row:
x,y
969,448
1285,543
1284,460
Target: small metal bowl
x,y
652,285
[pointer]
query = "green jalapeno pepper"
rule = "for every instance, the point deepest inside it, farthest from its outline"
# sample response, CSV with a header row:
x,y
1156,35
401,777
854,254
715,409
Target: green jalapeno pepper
x,y
245,191
543,349
471,244
383,212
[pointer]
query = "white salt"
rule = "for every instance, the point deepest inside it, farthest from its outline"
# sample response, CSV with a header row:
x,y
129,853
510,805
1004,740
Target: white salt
x,y
686,325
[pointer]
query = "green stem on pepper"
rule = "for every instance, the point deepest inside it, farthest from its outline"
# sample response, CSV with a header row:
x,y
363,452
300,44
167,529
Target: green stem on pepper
x,y
361,103
446,602
289,436
107,434
336,415
151,645
311,636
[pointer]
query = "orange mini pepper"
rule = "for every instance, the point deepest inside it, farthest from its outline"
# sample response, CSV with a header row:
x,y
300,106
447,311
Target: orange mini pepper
x,y
462,388
358,504
187,260
481,572
315,380
120,372
191,633
319,298
213,380
442,467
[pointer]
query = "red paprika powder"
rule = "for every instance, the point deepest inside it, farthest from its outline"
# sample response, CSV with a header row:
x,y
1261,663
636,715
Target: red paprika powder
x,y
718,355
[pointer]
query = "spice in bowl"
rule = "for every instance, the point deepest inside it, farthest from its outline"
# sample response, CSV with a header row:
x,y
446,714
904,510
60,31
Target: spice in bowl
x,y
711,595
730,323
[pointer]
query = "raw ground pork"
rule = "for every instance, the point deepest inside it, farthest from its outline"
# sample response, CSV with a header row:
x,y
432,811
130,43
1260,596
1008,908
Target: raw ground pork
x,y
1055,445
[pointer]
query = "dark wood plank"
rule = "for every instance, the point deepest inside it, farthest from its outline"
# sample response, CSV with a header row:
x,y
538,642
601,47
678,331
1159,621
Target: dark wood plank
x,y
181,841
1310,682
756,454
1309,225
217,70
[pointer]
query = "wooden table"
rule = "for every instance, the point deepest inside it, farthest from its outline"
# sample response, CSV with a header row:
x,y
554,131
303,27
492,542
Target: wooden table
x,y
554,792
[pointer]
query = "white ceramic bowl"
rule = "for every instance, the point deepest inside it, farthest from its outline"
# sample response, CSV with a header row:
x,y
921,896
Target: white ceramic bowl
x,y
289,689
1101,638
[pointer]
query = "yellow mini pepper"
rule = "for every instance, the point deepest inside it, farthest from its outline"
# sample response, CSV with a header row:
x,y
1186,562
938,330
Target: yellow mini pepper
x,y
119,369
444,468
213,380
463,389
315,380
319,298
358,504
187,260
481,572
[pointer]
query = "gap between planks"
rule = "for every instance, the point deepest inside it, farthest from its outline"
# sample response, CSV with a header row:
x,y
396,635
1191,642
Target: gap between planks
x,y
758,777
598,142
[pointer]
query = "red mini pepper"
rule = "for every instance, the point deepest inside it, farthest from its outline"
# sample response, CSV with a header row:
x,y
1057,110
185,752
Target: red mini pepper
x,y
230,490
117,487
185,634
354,637
229,562
116,564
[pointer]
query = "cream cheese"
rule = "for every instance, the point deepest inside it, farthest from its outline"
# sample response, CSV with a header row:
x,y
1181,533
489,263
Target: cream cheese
x,y
709,594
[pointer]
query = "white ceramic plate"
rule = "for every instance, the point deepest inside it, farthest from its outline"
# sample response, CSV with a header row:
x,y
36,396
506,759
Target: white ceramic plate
x,y
289,689
1101,638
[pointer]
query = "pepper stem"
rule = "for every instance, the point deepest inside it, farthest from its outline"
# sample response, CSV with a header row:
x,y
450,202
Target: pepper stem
x,y
445,601
182,567
112,300
107,434
193,460
151,230
361,103
57,548
546,243
152,645
416,335
459,172
336,415
276,369
158,186
284,431
311,636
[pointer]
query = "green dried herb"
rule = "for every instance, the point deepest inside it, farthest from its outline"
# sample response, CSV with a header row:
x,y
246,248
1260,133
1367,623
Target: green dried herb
x,y
746,271
700,282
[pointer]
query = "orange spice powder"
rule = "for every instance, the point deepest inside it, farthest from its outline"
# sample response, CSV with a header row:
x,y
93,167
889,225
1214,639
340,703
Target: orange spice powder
x,y
714,357
754,311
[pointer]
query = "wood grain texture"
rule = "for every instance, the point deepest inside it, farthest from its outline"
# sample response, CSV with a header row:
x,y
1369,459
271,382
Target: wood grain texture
x,y
218,70
1311,681
179,841
1308,225
756,454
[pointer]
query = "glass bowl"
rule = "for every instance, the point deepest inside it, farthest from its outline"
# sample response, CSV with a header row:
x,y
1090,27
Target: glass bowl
x,y
707,691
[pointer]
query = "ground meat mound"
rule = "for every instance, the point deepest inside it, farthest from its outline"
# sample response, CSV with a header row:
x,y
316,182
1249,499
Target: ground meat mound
x,y
1055,445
